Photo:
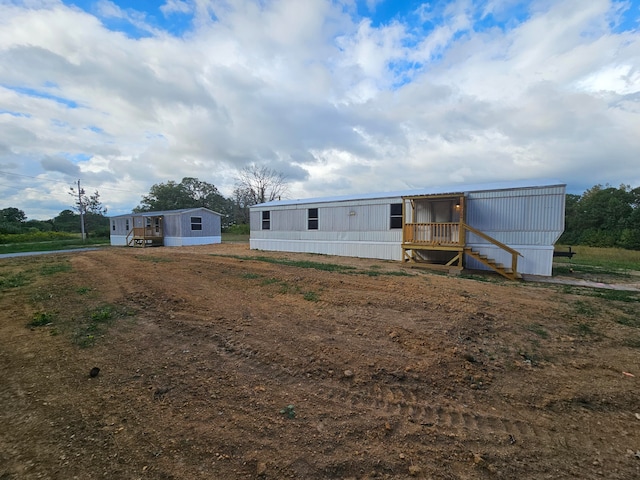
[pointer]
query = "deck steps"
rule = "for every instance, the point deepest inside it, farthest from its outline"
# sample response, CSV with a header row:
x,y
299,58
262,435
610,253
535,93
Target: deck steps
x,y
499,268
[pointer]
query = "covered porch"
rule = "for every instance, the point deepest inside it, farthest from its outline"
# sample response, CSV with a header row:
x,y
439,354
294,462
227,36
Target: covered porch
x,y
147,231
434,231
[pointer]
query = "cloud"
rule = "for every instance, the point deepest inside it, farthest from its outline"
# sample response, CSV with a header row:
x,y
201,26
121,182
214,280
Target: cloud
x,y
61,165
459,92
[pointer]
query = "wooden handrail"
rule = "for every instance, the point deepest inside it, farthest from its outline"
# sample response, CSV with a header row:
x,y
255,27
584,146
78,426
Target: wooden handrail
x,y
490,239
514,253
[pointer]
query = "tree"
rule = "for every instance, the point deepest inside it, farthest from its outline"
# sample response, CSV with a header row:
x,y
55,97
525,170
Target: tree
x,y
12,215
261,184
189,193
66,221
603,217
92,212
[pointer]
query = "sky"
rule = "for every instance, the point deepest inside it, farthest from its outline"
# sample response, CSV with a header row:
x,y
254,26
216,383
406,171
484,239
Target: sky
x,y
340,96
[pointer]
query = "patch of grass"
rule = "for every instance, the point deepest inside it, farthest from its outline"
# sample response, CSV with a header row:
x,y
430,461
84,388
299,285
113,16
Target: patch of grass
x,y
153,259
95,324
617,295
41,319
250,276
585,308
14,280
328,267
83,290
538,330
52,245
632,342
615,260
269,281
53,268
629,321
311,296
584,329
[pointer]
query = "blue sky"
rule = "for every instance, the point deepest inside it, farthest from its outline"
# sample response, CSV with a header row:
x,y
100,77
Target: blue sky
x,y
342,96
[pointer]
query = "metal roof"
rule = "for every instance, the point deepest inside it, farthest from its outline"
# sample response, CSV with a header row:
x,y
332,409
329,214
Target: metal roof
x,y
437,190
165,212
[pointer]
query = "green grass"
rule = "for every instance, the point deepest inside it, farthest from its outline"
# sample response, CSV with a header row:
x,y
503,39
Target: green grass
x,y
235,238
538,330
14,280
41,319
95,324
612,259
626,296
311,296
629,321
632,342
585,309
52,245
250,276
53,268
153,259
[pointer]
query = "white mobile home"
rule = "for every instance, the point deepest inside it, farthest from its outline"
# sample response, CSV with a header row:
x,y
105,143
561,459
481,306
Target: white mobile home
x,y
171,228
510,228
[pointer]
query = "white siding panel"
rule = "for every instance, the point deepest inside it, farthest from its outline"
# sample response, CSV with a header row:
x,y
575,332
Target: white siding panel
x,y
190,241
534,260
385,251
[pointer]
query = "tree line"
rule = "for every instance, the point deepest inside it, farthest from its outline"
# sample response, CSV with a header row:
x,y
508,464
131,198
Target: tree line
x,y
255,184
603,216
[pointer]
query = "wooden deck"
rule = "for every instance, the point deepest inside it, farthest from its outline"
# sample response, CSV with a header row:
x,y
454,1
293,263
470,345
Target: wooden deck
x,y
145,237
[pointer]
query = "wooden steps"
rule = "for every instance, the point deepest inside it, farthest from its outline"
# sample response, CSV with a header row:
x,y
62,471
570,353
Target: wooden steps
x,y
499,268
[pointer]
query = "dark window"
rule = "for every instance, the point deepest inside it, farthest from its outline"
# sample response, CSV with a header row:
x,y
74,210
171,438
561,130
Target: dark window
x,y
396,215
113,225
126,224
313,219
196,223
266,220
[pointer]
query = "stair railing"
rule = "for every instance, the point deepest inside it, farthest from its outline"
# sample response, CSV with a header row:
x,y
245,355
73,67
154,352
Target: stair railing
x,y
514,253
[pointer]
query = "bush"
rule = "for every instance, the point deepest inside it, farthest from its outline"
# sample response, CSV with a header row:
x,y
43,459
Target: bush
x,y
35,237
242,229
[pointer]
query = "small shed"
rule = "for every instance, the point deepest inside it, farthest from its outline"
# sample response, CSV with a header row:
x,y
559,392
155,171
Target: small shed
x,y
171,228
510,228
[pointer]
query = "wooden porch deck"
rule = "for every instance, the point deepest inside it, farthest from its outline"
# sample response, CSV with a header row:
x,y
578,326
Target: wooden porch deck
x,y
145,237
451,237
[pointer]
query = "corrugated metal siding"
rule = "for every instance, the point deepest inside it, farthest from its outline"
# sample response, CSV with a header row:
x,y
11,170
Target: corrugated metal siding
x,y
533,216
385,251
534,260
210,224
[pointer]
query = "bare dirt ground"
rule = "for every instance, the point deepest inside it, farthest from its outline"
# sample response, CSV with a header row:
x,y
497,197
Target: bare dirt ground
x,y
217,365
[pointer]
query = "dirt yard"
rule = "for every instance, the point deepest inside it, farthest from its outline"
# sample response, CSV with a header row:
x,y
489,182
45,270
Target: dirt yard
x,y
217,364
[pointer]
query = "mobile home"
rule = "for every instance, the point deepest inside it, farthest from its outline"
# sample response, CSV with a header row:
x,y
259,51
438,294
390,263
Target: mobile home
x,y
171,228
510,228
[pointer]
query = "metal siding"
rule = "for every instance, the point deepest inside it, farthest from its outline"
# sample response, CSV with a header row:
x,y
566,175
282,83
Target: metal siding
x,y
385,251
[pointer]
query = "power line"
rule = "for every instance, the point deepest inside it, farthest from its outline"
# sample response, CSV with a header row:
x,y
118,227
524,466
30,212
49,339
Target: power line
x,y
68,184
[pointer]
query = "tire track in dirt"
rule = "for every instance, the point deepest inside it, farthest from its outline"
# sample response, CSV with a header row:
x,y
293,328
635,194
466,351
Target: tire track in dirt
x,y
393,401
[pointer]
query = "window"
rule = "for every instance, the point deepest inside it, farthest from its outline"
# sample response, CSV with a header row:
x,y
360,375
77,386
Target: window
x,y
113,225
313,219
126,224
396,216
196,223
266,220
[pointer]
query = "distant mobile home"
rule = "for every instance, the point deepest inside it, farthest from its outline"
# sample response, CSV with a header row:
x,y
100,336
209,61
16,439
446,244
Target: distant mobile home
x,y
171,228
510,228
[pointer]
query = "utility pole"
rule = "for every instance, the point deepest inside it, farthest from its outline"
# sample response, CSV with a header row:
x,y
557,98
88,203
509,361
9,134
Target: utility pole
x,y
81,207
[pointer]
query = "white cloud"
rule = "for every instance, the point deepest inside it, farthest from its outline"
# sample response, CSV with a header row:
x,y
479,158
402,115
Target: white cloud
x,y
338,104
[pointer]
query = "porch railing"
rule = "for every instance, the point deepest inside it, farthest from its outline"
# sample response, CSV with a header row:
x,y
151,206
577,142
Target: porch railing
x,y
143,233
435,234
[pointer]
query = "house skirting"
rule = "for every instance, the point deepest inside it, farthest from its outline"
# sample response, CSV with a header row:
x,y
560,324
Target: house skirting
x,y
189,241
380,250
121,241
